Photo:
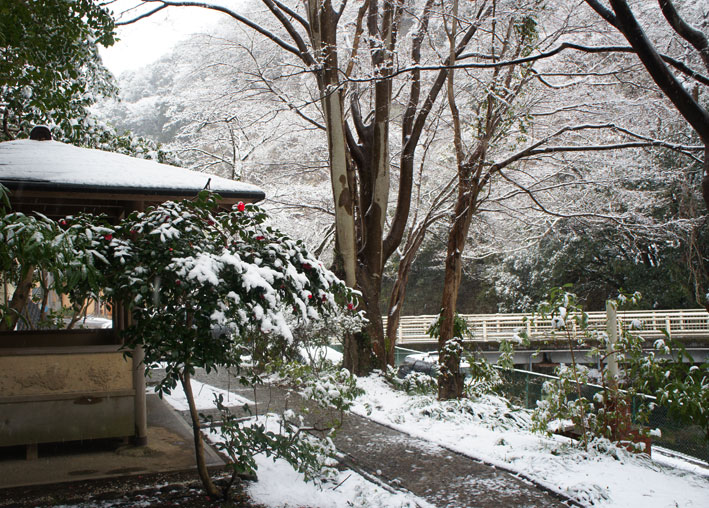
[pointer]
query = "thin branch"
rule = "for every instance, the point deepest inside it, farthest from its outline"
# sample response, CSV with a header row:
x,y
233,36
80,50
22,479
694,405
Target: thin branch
x,y
300,19
142,16
680,66
255,26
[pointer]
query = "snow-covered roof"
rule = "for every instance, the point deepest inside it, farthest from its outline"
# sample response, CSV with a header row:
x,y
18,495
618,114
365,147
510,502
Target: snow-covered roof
x,y
55,166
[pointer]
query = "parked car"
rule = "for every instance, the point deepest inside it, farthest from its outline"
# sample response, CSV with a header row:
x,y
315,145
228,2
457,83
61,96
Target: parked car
x,y
425,363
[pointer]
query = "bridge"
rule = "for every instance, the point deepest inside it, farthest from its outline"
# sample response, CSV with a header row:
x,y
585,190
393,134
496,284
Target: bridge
x,y
690,327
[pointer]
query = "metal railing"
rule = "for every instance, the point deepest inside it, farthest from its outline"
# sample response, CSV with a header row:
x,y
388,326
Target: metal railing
x,y
680,324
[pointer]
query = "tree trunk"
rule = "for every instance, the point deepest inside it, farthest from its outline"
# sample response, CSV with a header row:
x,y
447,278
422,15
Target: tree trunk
x,y
198,443
323,35
19,299
371,286
705,180
357,355
450,380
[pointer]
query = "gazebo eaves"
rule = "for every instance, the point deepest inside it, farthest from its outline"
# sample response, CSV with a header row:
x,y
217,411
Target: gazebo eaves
x,y
50,170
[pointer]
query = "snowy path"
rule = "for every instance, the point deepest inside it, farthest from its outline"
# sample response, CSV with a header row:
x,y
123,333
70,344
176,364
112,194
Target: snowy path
x,y
428,453
430,472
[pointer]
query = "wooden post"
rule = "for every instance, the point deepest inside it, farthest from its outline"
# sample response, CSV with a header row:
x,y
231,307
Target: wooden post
x,y
529,329
141,414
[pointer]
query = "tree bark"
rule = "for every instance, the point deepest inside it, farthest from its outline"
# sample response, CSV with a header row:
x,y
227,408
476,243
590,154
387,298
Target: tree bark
x,y
19,299
323,34
705,181
209,486
450,380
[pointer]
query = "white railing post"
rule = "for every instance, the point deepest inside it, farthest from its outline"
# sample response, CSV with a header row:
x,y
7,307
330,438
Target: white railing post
x,y
612,329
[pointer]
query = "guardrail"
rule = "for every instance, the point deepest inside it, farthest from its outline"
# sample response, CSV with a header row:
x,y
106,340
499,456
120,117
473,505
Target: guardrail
x,y
680,324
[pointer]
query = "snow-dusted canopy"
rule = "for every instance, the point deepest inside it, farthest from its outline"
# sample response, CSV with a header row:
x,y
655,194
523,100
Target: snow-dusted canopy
x,y
56,179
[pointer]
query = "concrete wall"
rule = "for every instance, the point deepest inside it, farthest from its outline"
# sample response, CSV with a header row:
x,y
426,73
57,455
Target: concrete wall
x,y
65,394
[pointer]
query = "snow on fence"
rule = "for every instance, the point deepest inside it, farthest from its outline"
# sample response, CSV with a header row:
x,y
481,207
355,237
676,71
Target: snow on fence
x,y
680,324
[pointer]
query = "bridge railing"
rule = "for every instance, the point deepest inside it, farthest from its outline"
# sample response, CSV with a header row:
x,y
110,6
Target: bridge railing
x,y
686,324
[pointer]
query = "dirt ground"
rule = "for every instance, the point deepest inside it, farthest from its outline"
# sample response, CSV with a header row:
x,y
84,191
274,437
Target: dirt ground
x,y
154,490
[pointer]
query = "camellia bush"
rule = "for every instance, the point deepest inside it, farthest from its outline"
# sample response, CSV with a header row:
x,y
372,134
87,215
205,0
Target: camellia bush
x,y
607,414
39,256
662,373
201,282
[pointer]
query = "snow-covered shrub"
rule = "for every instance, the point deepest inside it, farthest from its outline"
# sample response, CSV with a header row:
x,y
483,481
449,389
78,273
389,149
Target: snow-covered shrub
x,y
484,378
202,283
278,436
414,383
312,338
39,256
566,405
450,354
287,435
329,388
670,373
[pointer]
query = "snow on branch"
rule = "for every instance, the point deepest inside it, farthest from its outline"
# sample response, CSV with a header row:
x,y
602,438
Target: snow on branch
x,y
680,66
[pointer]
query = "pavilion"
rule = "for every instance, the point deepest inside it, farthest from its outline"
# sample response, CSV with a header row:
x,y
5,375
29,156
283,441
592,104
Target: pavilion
x,y
75,385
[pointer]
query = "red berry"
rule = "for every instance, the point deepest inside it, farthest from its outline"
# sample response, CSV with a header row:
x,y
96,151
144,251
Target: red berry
x,y
310,297
108,237
177,283
241,206
62,222
350,306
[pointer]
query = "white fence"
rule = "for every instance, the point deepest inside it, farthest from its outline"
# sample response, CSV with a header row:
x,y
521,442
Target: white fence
x,y
680,324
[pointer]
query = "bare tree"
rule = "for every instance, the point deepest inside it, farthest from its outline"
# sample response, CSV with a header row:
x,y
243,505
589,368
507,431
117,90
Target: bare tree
x,y
359,151
621,16
509,77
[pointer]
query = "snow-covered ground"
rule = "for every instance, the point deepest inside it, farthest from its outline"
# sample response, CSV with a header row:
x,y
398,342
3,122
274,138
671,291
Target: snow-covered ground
x,y
279,485
203,397
488,430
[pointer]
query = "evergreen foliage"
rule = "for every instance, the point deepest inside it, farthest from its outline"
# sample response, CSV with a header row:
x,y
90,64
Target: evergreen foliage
x,y
51,74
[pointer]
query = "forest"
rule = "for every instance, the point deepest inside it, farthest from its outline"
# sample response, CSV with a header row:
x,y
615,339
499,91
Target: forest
x,y
609,198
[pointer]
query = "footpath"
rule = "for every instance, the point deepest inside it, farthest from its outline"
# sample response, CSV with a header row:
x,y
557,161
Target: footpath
x,y
394,460
401,462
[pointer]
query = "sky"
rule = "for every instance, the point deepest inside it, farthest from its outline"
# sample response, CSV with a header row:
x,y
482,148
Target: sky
x,y
147,40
